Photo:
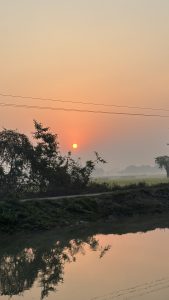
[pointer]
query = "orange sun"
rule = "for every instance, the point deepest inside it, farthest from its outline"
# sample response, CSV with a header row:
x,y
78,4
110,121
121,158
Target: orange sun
x,y
75,146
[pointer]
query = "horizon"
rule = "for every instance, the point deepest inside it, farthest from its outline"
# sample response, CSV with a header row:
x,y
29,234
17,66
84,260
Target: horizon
x,y
114,53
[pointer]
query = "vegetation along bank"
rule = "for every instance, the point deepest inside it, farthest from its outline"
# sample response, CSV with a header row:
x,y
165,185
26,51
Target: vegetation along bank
x,y
46,214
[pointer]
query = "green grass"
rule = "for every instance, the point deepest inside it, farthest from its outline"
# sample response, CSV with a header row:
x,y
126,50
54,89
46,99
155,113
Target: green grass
x,y
126,201
126,181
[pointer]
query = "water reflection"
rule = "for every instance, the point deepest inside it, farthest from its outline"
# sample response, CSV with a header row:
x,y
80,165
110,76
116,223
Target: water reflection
x,y
19,271
137,291
42,258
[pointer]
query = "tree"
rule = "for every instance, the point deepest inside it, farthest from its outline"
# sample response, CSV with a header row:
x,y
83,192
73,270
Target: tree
x,y
163,163
49,168
15,156
54,173
40,167
81,174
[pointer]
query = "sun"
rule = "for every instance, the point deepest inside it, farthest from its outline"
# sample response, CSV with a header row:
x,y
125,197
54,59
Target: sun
x,y
75,146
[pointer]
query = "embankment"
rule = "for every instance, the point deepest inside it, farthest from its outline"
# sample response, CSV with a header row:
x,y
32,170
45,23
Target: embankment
x,y
41,215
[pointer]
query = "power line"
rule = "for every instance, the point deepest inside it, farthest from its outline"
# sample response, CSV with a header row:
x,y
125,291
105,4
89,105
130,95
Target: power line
x,y
82,102
2,104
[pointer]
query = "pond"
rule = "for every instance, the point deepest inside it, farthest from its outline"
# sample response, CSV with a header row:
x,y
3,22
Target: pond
x,y
125,261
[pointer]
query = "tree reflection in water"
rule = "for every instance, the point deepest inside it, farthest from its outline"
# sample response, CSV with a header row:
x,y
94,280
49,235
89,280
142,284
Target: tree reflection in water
x,y
19,271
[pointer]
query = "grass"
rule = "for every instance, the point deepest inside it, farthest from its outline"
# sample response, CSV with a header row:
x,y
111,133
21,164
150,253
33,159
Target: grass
x,y
132,180
126,201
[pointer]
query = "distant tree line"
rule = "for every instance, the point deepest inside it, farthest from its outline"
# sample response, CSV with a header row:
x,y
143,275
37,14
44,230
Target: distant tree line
x,y
39,168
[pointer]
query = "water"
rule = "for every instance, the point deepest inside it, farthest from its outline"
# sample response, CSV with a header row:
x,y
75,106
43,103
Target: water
x,y
84,266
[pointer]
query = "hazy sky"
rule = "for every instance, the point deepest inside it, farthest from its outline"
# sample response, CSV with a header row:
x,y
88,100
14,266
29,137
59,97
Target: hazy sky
x,y
111,51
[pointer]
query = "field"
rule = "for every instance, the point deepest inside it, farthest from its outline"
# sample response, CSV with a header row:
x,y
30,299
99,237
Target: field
x,y
130,180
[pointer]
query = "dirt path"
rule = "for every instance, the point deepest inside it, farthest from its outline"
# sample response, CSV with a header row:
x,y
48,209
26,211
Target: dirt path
x,y
65,197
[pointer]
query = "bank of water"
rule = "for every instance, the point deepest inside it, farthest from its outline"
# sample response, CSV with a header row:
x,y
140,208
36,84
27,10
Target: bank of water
x,y
128,260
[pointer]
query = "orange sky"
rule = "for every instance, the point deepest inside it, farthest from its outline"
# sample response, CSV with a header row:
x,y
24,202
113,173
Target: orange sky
x,y
113,52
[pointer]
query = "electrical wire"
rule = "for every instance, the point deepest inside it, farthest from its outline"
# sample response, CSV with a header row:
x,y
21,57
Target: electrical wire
x,y
82,102
2,104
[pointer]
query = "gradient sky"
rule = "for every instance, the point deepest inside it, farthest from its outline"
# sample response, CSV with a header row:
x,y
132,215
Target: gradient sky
x,y
111,51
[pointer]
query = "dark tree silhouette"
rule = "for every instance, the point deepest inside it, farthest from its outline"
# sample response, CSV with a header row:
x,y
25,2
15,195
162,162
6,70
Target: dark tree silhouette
x,y
15,156
39,168
163,163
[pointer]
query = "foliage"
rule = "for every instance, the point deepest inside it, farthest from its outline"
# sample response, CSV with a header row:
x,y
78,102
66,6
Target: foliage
x,y
15,156
38,215
39,168
163,163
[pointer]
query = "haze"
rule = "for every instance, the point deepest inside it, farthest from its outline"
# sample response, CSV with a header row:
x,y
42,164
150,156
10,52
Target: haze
x,y
112,52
